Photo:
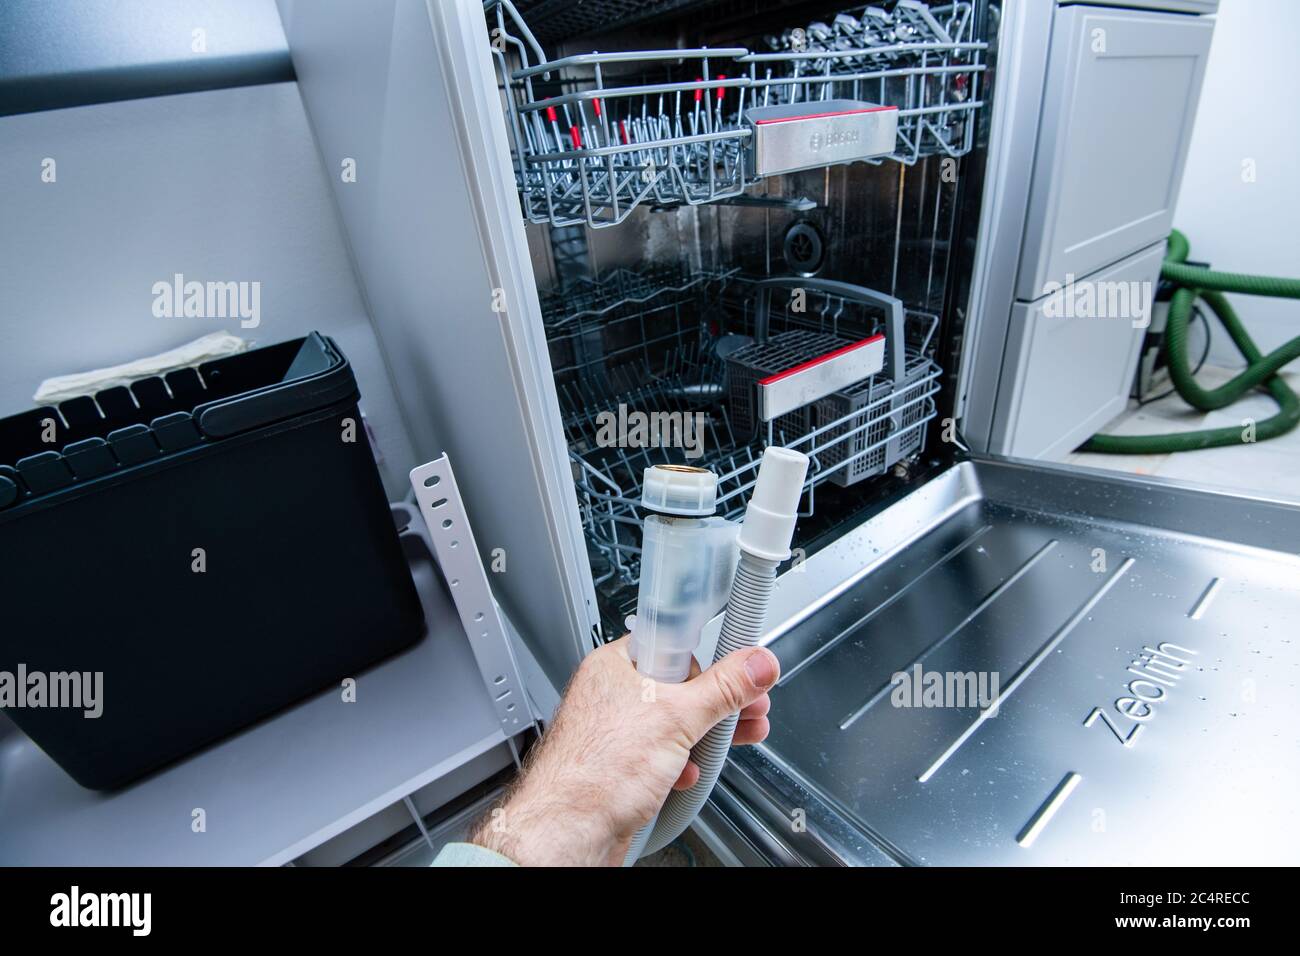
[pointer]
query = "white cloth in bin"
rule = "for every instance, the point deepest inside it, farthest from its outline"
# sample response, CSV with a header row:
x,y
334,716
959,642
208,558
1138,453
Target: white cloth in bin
x,y
212,346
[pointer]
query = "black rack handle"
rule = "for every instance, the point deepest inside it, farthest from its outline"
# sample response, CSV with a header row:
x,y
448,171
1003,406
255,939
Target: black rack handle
x,y
895,344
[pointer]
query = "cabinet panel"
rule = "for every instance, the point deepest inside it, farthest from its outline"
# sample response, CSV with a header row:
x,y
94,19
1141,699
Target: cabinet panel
x,y
1176,6
1118,110
1072,358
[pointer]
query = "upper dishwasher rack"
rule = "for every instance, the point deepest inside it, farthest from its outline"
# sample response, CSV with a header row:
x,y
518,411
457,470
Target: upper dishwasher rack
x,y
595,135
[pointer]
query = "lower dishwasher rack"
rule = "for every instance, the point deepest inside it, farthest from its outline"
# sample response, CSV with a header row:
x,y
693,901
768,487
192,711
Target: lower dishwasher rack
x,y
652,344
1145,712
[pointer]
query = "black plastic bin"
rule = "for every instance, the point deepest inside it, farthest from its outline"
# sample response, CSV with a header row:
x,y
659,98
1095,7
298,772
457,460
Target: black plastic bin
x,y
216,543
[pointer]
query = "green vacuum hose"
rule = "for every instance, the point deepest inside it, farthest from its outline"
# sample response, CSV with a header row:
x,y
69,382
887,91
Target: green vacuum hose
x,y
1197,282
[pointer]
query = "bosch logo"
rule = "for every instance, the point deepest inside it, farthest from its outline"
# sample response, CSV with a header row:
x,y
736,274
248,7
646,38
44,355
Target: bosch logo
x,y
831,137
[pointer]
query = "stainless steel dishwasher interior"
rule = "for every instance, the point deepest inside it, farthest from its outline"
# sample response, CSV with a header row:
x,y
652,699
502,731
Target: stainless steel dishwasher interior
x,y
982,570
635,316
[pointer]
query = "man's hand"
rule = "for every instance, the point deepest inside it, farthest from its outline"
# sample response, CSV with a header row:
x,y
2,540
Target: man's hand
x,y
619,743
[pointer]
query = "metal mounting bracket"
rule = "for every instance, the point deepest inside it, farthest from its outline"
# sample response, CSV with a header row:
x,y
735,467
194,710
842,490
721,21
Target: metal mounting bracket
x,y
453,545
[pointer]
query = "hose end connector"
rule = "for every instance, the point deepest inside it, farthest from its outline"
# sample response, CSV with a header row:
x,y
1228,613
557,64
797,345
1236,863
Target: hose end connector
x,y
774,505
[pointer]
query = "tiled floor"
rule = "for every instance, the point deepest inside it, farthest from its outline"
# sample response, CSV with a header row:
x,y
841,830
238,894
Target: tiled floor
x,y
1270,468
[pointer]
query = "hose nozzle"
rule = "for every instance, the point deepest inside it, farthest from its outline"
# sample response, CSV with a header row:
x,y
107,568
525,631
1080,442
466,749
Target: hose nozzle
x,y
774,505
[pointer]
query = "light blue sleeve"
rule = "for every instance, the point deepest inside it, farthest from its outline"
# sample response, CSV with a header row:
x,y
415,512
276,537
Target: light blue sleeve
x,y
467,854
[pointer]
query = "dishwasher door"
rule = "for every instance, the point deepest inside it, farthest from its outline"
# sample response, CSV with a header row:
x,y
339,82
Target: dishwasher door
x,y
1136,640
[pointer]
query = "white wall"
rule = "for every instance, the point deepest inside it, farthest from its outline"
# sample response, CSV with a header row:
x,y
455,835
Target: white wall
x,y
407,89
1249,110
225,185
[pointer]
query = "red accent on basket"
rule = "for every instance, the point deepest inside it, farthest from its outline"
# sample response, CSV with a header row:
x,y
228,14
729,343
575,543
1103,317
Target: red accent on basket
x,y
722,90
550,113
576,137
622,128
792,119
818,360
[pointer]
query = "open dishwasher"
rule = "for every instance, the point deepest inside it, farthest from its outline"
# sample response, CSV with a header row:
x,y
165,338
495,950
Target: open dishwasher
x,y
778,224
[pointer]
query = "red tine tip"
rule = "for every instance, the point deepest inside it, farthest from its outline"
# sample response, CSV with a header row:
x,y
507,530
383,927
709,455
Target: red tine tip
x,y
699,93
550,113
595,105
576,137
622,128
722,90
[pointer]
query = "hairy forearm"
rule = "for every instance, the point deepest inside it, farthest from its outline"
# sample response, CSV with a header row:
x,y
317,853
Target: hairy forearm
x,y
545,821
617,746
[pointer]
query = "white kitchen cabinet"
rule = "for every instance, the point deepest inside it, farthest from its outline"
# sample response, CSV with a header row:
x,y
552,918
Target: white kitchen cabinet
x,y
1118,108
1072,371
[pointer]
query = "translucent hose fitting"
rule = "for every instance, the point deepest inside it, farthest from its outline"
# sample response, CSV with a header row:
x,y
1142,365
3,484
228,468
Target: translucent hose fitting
x,y
688,557
764,543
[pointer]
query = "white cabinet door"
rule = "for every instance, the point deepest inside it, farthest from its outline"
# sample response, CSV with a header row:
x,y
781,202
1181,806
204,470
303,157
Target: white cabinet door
x,y
1176,6
1071,357
1122,88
